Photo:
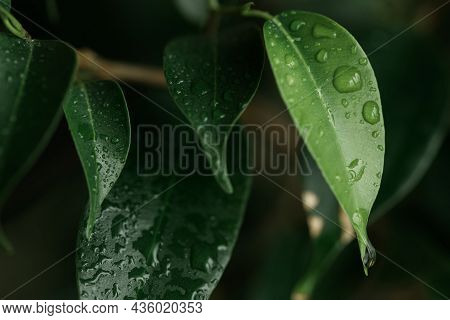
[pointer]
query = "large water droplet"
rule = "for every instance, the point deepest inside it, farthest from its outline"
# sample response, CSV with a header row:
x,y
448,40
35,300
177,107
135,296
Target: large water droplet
x,y
347,79
321,31
371,112
356,170
322,56
296,25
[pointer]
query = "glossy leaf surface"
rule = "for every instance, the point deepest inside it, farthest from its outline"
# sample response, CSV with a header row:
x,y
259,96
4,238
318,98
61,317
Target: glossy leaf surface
x,y
331,92
100,126
212,80
35,76
161,237
415,135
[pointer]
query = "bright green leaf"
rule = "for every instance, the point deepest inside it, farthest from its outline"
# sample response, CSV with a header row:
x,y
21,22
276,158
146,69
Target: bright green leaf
x,y
98,120
331,92
212,80
161,237
35,76
414,135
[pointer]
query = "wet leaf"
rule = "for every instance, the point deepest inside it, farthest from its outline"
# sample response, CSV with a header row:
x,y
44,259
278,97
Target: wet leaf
x,y
35,76
98,119
212,80
414,135
161,237
331,92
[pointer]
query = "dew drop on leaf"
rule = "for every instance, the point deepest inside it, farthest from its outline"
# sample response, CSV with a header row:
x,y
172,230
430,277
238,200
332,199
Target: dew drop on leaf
x,y
296,25
322,56
347,79
321,31
371,112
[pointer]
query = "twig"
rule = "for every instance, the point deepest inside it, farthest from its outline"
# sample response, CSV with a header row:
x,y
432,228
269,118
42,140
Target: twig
x,y
106,69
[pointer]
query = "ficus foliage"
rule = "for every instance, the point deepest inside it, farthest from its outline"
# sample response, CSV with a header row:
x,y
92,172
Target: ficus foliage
x,y
171,237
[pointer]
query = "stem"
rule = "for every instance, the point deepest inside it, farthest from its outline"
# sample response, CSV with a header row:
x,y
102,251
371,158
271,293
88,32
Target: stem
x,y
244,10
257,14
12,24
106,69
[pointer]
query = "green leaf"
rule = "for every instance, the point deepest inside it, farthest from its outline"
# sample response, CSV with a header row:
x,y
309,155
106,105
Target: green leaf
x,y
414,135
35,77
212,80
161,237
6,4
195,11
98,119
331,92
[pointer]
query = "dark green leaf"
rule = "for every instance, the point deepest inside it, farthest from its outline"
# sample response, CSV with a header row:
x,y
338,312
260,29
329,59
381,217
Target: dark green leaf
x,y
161,237
35,77
6,4
331,92
416,115
195,11
212,80
98,120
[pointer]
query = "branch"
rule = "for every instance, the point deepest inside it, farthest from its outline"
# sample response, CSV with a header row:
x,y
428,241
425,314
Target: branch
x,y
106,69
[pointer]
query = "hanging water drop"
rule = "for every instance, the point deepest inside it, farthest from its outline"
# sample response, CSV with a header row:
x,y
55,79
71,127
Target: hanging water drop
x,y
371,112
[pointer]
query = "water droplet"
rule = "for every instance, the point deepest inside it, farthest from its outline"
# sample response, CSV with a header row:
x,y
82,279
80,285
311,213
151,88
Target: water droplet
x,y
296,25
356,170
357,218
371,112
363,61
290,79
348,115
380,147
322,56
347,79
321,31
375,134
289,60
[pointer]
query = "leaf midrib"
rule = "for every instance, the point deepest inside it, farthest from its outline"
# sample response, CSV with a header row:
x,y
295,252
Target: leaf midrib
x,y
290,41
94,139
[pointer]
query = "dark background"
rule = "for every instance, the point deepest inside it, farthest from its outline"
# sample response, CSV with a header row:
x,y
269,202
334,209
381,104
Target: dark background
x,y
43,214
